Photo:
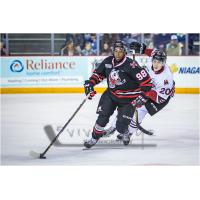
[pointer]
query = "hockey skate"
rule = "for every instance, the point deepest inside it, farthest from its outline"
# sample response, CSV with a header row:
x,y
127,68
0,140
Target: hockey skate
x,y
109,131
120,136
88,144
126,138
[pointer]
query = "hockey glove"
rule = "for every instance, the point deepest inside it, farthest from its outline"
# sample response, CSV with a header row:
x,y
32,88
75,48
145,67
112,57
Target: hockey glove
x,y
138,47
89,89
139,101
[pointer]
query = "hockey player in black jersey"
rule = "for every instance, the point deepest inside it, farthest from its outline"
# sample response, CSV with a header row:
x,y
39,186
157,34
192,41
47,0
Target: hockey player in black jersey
x,y
160,94
127,84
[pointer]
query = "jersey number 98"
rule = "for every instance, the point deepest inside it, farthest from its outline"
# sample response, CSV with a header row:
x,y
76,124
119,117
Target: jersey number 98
x,y
141,75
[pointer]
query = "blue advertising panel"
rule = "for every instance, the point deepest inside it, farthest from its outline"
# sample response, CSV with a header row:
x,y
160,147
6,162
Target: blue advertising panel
x,y
43,71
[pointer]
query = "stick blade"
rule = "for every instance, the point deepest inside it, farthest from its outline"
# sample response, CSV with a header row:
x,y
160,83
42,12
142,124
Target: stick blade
x,y
34,154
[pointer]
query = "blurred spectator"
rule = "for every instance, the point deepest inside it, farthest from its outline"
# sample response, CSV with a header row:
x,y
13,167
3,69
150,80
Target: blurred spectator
x,y
114,38
94,42
3,49
105,38
160,40
148,40
88,51
108,38
87,37
92,38
78,40
194,44
174,48
130,37
69,49
106,51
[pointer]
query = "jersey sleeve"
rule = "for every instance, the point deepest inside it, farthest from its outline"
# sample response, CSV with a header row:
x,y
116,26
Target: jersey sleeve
x,y
162,92
141,76
98,74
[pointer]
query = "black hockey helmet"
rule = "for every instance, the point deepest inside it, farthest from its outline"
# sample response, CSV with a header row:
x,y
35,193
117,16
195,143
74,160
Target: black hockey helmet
x,y
159,55
119,44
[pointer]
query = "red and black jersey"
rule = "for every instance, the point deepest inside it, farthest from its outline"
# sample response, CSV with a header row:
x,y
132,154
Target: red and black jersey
x,y
126,79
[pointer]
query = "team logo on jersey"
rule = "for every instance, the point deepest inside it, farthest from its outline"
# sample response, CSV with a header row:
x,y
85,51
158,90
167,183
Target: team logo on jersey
x,y
166,82
114,79
99,109
133,64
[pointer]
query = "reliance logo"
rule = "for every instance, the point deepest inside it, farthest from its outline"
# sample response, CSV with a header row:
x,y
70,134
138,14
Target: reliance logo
x,y
16,66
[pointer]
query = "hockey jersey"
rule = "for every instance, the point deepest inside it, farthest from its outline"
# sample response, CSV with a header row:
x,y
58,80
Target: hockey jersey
x,y
125,80
163,83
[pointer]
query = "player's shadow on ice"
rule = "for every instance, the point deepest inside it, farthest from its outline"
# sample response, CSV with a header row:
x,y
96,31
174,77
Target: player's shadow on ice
x,y
118,145
121,146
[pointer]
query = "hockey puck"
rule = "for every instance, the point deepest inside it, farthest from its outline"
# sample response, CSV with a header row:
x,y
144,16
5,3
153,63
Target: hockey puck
x,y
42,157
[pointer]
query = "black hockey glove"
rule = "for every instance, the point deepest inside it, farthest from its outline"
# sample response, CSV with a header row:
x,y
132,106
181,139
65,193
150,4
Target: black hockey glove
x,y
139,101
138,47
89,89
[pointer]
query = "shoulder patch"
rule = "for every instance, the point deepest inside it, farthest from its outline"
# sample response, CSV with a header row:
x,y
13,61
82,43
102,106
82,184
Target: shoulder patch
x,y
108,66
166,82
133,64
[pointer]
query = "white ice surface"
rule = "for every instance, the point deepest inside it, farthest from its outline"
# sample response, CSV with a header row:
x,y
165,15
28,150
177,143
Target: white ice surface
x,y
24,116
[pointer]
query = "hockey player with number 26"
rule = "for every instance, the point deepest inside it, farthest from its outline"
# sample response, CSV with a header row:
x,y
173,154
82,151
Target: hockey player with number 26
x,y
127,85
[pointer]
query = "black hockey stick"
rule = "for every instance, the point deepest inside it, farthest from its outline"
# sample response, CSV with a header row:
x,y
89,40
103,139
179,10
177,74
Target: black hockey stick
x,y
148,132
41,155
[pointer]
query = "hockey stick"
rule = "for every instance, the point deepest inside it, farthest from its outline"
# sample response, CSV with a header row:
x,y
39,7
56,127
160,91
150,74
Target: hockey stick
x,y
148,132
41,155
